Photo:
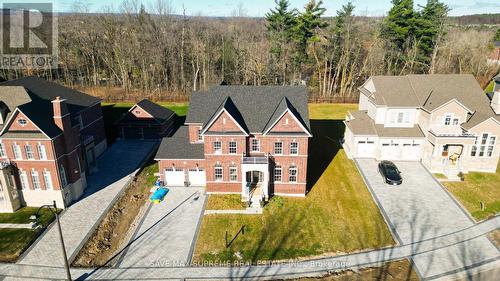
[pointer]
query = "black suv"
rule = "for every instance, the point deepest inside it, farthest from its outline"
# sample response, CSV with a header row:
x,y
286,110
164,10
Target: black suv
x,y
390,172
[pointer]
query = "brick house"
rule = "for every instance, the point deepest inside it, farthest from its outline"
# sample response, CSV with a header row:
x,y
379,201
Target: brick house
x,y
248,140
50,136
146,120
444,121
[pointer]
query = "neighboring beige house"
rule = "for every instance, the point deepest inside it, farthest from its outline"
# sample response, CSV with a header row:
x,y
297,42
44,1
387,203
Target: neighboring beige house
x,y
444,121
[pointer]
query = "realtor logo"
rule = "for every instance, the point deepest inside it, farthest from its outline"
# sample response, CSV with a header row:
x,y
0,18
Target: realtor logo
x,y
29,36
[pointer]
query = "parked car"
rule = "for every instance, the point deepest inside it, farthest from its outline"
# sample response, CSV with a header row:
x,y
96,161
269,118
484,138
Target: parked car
x,y
390,173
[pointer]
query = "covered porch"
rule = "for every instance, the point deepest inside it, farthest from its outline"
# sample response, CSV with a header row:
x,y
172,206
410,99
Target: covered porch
x,y
255,183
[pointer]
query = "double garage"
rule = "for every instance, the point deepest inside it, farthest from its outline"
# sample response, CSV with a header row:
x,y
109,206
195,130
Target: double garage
x,y
389,149
185,177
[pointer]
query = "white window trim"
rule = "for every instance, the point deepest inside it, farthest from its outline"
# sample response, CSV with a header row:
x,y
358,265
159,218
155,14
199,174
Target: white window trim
x,y
3,153
62,173
297,148
217,151
16,148
47,178
235,169
235,147
252,145
278,167
487,144
23,177
274,150
218,166
34,174
27,147
296,174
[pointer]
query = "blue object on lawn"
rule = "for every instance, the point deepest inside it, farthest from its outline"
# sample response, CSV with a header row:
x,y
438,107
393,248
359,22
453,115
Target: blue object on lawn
x,y
158,183
158,195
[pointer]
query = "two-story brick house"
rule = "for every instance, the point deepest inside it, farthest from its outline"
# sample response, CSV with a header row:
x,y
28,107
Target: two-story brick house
x,y
248,140
50,136
444,121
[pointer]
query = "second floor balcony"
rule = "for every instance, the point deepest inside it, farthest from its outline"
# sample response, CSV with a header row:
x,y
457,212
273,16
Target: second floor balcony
x,y
450,131
255,159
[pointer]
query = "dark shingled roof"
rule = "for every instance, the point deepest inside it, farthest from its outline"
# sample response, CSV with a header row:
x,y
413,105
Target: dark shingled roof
x,y
256,104
33,96
231,108
160,113
46,90
179,147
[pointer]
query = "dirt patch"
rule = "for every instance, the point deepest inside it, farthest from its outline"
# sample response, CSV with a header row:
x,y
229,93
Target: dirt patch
x,y
119,223
396,270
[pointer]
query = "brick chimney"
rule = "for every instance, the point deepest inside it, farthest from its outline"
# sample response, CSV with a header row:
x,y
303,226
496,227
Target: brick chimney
x,y
61,114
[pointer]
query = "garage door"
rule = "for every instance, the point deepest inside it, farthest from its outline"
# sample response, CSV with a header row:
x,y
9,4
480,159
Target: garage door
x,y
366,149
197,177
390,151
174,177
411,151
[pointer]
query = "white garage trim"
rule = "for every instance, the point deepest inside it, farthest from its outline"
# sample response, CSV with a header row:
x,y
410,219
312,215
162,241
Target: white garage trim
x,y
197,177
174,177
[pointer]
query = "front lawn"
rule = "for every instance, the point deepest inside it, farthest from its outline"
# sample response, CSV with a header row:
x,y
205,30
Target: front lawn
x,y
14,241
477,188
337,215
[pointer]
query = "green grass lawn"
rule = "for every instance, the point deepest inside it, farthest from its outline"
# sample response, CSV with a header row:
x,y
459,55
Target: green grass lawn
x,y
14,241
337,215
225,202
320,111
477,188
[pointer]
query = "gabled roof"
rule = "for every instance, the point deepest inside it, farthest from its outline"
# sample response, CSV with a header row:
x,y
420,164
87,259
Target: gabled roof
x,y
255,104
48,91
159,113
228,106
33,96
430,92
284,106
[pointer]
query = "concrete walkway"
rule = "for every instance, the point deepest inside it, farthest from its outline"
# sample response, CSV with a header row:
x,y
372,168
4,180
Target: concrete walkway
x,y
116,167
315,267
420,209
167,232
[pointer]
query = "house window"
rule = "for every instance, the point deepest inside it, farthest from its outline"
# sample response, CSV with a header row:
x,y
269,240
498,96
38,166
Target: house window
x,y
255,145
455,121
278,173
294,148
29,152
217,147
292,174
200,136
17,151
22,122
35,179
278,148
491,145
218,172
48,180
62,172
486,145
473,151
2,151
24,180
42,154
233,173
447,120
400,117
232,147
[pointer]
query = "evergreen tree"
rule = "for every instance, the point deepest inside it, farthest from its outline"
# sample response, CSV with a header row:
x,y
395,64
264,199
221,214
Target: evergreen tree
x,y
398,27
280,23
305,31
429,28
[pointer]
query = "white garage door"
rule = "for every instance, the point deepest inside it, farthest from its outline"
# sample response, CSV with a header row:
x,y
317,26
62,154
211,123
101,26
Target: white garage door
x,y
366,149
174,177
197,177
411,151
390,151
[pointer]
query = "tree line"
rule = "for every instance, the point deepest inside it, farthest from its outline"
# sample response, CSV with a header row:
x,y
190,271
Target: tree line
x,y
155,52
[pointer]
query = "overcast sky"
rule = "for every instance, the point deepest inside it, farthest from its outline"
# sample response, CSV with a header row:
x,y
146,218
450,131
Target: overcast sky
x,y
257,8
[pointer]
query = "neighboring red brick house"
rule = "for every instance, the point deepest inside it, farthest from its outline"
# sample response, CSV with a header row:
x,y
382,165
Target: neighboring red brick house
x,y
249,140
50,136
146,120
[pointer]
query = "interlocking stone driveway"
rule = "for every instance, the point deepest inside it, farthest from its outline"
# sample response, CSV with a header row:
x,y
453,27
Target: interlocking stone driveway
x,y
115,168
421,209
166,235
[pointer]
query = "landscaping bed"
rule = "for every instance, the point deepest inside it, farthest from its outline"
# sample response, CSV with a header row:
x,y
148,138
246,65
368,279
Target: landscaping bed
x,y
117,226
225,202
478,188
338,215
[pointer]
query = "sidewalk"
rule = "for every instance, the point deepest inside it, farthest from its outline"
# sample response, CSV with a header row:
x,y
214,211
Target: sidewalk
x,y
308,268
116,167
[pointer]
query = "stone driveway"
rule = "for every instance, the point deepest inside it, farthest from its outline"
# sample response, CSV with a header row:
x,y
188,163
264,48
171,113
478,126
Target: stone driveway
x,y
420,209
115,168
167,233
